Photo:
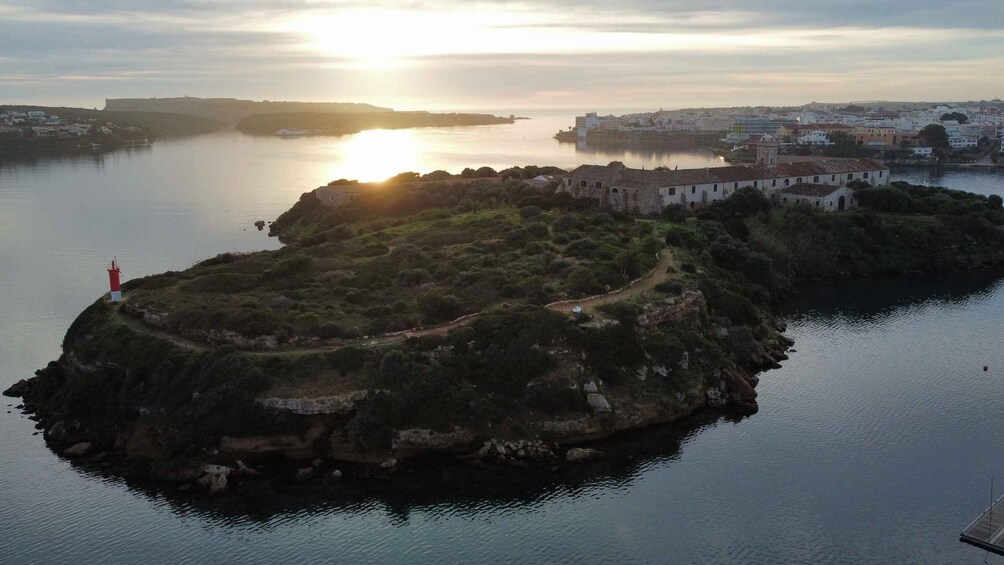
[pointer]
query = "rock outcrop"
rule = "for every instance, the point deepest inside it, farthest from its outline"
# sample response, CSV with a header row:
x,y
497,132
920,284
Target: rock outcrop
x,y
332,405
582,455
673,309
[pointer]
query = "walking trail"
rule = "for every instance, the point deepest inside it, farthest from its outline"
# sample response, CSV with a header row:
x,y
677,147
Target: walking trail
x,y
588,304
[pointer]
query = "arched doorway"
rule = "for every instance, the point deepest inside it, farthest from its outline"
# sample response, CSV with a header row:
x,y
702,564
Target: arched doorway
x,y
840,203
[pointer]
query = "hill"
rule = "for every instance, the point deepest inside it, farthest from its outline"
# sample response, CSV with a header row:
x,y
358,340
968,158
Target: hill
x,y
341,123
231,110
329,346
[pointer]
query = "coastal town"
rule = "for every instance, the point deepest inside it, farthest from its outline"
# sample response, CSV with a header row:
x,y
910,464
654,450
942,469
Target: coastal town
x,y
37,124
894,132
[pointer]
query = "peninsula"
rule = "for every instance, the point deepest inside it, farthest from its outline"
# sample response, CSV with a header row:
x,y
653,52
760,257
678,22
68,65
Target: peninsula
x,y
502,317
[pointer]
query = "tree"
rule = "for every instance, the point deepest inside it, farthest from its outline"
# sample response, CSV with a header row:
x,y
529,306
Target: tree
x,y
955,116
675,213
994,202
934,135
844,145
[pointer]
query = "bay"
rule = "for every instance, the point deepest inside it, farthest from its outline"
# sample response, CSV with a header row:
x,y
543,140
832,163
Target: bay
x,y
875,442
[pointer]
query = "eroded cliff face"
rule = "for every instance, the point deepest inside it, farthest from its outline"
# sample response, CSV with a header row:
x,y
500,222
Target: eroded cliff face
x,y
659,388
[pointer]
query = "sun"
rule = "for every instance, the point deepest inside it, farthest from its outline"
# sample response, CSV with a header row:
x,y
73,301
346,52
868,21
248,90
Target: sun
x,y
376,155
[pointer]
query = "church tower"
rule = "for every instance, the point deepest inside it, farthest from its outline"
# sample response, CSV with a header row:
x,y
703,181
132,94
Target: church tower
x,y
766,151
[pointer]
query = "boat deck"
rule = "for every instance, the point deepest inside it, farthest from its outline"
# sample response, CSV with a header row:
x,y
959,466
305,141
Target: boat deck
x,y
987,530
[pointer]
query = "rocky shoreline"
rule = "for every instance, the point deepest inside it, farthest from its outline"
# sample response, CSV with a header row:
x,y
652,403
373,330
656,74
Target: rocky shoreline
x,y
322,455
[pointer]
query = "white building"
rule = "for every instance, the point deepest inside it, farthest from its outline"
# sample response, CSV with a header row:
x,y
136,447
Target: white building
x,y
962,142
814,137
922,151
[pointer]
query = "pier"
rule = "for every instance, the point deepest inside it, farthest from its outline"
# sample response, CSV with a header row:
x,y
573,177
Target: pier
x,y
987,530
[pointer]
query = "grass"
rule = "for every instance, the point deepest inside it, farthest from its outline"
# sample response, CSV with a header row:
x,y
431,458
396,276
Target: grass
x,y
385,276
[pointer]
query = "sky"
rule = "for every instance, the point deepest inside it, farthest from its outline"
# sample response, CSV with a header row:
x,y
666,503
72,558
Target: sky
x,y
582,54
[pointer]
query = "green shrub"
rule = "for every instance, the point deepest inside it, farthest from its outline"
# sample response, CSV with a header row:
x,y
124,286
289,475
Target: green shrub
x,y
308,322
228,283
290,267
565,223
669,287
517,238
414,277
330,330
368,426
346,359
529,212
438,306
582,280
553,397
674,239
538,230
221,259
254,323
675,213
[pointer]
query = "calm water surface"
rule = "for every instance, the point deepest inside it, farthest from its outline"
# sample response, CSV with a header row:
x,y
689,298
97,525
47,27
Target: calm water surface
x,y
874,443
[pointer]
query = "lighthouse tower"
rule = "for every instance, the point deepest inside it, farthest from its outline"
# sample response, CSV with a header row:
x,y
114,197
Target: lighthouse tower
x,y
113,282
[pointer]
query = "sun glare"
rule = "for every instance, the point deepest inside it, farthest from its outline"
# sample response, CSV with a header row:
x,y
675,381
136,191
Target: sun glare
x,y
376,155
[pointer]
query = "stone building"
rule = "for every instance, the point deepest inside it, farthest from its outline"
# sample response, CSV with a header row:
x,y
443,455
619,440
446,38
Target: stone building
x,y
338,194
639,191
824,197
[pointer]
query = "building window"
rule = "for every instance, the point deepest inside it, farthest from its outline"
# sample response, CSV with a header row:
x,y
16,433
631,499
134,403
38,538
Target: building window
x,y
715,189
583,184
614,191
736,186
815,179
865,174
599,184
787,182
672,191
798,180
693,190
773,182
850,176
833,177
880,174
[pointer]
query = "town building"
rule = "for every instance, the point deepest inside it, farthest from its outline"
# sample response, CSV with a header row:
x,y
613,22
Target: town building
x,y
743,128
963,142
883,136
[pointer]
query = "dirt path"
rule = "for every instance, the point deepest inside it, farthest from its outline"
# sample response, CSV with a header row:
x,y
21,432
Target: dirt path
x,y
638,286
643,284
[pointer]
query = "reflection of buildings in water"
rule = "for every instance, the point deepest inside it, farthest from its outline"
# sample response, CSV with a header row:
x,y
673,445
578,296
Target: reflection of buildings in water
x,y
648,155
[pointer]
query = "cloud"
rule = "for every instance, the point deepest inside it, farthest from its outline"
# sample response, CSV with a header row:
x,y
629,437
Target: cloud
x,y
515,54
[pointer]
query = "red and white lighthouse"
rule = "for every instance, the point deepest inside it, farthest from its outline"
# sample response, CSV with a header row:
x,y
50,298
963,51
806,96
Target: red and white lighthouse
x,y
114,283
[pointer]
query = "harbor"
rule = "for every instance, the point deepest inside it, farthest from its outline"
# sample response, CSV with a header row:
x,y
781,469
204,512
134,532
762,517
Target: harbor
x,y
987,530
